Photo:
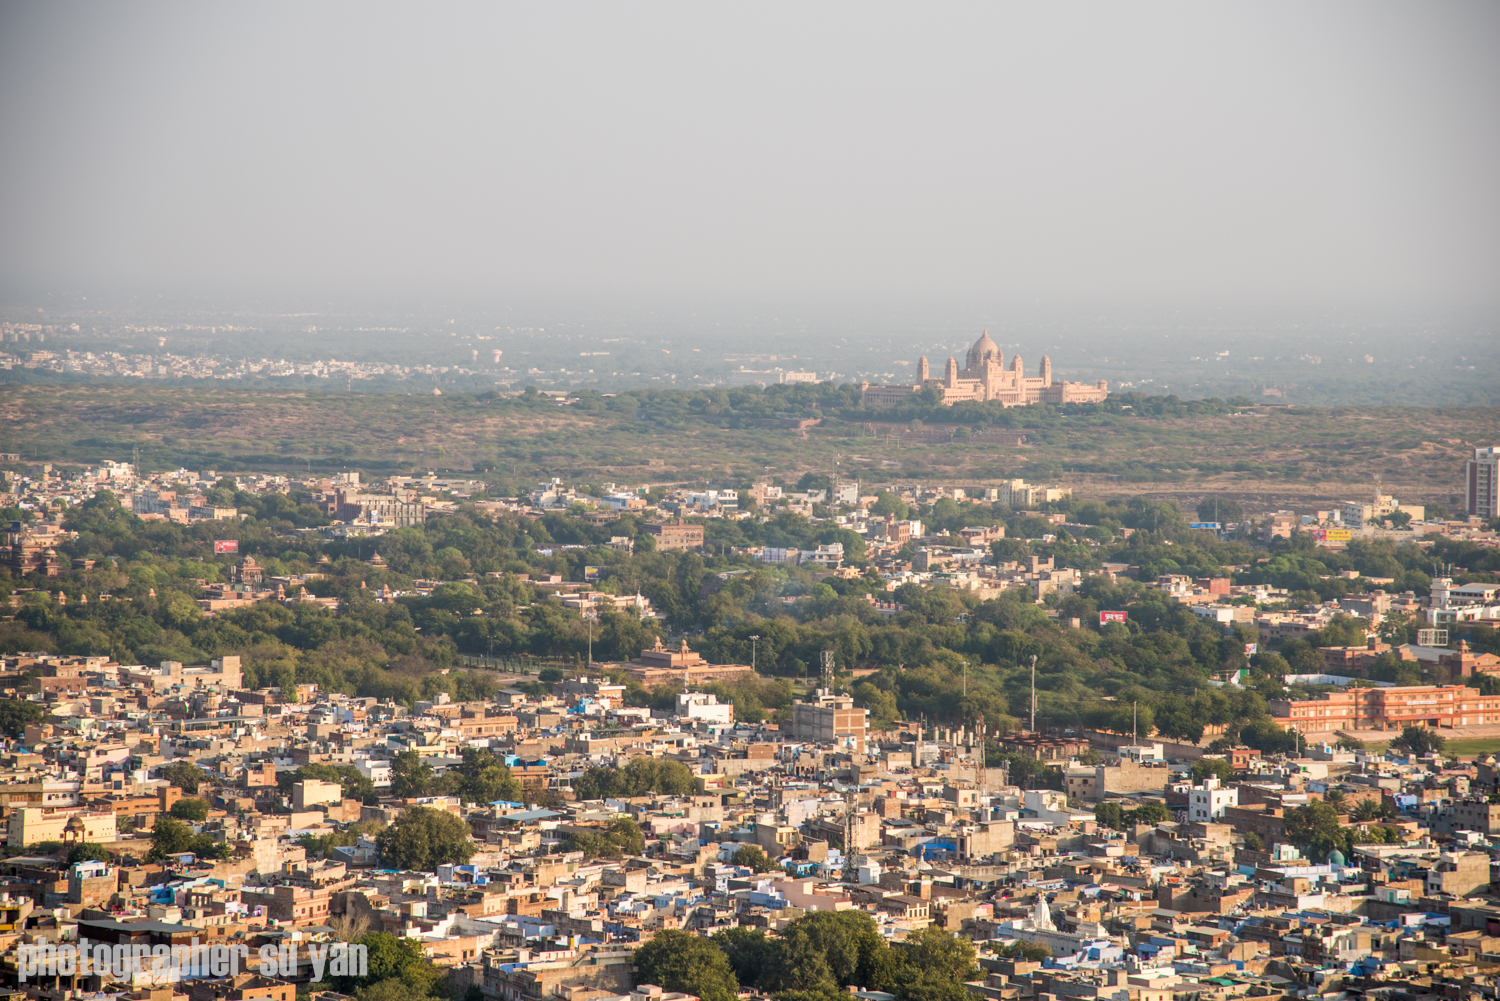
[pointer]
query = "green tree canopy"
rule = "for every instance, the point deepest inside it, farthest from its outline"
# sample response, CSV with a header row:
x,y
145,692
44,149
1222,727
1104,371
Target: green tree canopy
x,y
411,775
888,503
194,810
752,858
183,774
621,836
750,952
16,713
1307,823
423,838
680,961
1033,953
1216,767
1419,740
87,851
1220,509
390,958
638,778
171,836
828,949
932,949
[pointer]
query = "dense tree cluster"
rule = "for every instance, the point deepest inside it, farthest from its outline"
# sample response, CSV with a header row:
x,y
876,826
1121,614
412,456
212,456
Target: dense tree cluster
x,y
817,956
1319,828
1419,740
621,836
479,777
192,810
183,774
172,836
1151,672
1113,816
423,838
639,777
754,859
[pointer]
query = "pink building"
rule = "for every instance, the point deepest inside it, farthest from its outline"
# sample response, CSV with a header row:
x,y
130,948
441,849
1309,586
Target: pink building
x,y
985,378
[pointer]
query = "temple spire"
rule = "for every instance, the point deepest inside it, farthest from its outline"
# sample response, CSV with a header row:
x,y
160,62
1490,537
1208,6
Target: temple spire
x,y
1041,918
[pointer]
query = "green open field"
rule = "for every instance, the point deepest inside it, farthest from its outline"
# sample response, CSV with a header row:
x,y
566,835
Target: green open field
x,y
1472,748
1469,748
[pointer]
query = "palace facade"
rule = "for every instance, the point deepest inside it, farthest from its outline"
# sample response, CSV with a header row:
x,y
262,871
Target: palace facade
x,y
986,378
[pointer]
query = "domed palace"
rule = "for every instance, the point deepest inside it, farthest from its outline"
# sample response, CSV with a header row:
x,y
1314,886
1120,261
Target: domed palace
x,y
986,378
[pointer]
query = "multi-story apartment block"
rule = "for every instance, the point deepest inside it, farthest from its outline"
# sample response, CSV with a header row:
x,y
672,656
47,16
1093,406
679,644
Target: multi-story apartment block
x,y
829,717
397,509
1471,814
677,536
1482,483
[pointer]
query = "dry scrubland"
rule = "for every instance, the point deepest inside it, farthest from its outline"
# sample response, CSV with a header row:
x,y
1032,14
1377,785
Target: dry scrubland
x,y
1287,457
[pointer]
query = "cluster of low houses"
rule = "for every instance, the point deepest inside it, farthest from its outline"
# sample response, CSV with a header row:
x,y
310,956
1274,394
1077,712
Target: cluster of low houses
x,y
907,824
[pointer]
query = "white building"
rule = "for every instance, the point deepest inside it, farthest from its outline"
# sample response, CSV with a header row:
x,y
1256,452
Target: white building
x,y
1050,807
377,770
1482,482
1206,803
830,555
846,493
709,500
704,706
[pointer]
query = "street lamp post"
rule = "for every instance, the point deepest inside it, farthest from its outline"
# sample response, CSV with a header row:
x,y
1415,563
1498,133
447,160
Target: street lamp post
x,y
753,638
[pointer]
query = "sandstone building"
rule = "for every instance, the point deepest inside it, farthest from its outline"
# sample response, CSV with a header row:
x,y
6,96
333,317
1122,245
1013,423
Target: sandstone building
x,y
663,666
985,378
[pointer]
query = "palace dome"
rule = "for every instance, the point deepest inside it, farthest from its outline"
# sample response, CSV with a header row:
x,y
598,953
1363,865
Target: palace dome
x,y
983,348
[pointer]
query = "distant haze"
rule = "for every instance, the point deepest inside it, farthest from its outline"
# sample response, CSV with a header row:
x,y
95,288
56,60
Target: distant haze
x,y
992,156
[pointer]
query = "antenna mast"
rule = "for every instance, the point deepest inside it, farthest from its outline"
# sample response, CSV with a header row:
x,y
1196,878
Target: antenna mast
x,y
984,753
851,872
1033,693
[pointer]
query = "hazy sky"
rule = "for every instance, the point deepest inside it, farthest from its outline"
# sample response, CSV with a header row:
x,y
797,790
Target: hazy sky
x,y
1337,153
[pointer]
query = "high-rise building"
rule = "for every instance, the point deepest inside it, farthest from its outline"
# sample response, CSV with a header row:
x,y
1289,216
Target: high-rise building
x,y
1482,482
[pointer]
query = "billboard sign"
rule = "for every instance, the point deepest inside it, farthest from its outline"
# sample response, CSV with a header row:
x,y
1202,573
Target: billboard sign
x,y
1111,617
1251,649
226,545
1319,534
1212,526
590,573
1338,535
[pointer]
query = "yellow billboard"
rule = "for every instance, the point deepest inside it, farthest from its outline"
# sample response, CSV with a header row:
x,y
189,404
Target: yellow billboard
x,y
1338,535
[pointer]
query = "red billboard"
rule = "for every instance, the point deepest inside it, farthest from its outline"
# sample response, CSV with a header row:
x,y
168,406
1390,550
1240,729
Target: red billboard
x,y
1111,617
226,545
